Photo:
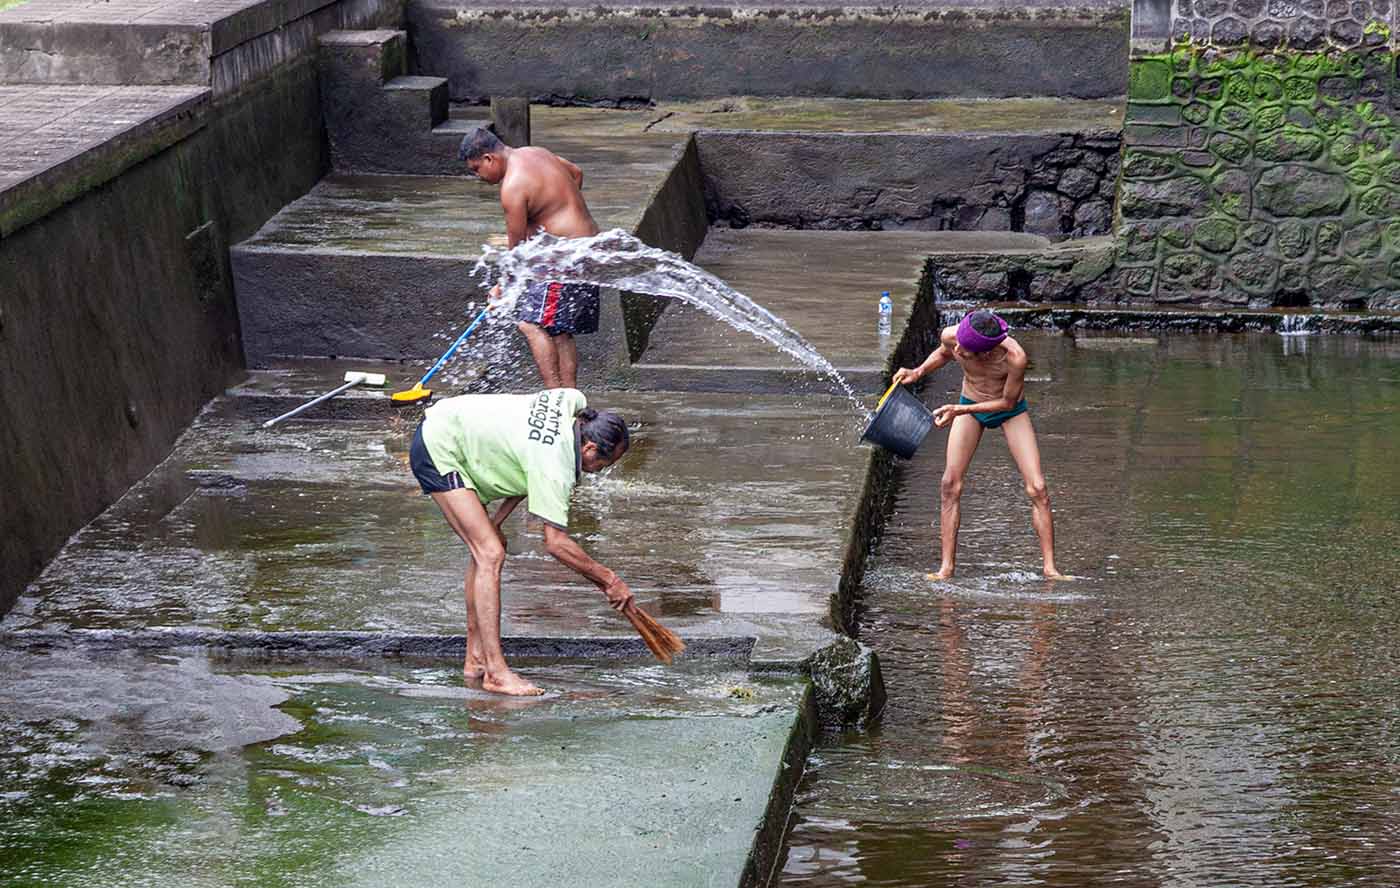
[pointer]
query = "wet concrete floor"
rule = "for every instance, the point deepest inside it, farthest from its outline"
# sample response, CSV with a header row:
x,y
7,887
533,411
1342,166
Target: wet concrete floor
x,y
727,508
136,769
1213,703
825,284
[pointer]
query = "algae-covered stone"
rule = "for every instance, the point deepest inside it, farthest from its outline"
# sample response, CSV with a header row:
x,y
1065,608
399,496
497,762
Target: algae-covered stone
x,y
1270,117
1344,151
846,680
1293,238
1138,243
1138,281
1196,112
1299,89
1392,235
1336,277
1233,117
1257,234
1287,145
1229,148
1177,234
1255,272
1179,196
1296,190
1139,164
1216,235
1189,269
1360,176
1329,237
1363,241
1208,89
1382,201
1149,80
1293,278
1234,193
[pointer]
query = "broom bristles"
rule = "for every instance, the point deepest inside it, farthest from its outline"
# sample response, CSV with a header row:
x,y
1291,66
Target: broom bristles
x,y
661,641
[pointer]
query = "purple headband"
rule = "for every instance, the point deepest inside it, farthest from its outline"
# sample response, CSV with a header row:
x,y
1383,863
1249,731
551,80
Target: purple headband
x,y
973,341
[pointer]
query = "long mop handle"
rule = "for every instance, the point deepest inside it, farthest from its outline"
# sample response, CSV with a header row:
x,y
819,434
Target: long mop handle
x,y
447,355
309,404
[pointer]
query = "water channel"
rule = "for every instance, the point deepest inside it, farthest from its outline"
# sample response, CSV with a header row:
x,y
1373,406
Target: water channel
x,y
1214,703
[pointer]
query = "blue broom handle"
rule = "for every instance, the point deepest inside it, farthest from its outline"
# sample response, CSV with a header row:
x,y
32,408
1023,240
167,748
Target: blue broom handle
x,y
447,355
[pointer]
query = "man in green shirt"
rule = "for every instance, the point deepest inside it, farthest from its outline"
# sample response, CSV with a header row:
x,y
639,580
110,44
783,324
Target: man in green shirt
x,y
475,449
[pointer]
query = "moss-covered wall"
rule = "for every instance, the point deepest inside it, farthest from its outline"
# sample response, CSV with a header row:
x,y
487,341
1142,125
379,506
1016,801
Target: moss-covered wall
x,y
1262,159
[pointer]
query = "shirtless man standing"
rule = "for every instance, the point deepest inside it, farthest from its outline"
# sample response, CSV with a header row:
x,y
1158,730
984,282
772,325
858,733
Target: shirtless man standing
x,y
541,190
994,378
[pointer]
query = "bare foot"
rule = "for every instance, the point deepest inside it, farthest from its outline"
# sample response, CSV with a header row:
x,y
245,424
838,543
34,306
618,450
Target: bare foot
x,y
510,684
944,573
1052,574
473,669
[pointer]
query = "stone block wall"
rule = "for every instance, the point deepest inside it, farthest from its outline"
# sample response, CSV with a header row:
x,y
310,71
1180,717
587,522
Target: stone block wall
x,y
1054,184
1261,165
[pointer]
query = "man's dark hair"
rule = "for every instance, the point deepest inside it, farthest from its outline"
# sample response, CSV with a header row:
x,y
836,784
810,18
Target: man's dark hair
x,y
478,142
604,428
986,323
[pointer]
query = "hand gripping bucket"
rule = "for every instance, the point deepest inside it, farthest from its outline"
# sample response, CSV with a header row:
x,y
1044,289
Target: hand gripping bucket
x,y
900,424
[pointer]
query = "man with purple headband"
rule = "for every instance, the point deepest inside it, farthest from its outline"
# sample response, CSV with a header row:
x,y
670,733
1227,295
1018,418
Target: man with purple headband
x,y
994,379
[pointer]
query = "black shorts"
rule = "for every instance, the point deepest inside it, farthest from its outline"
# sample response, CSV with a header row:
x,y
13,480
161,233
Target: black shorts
x,y
429,478
560,308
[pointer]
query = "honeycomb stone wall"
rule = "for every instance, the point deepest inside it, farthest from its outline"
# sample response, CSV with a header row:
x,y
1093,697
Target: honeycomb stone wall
x,y
1261,161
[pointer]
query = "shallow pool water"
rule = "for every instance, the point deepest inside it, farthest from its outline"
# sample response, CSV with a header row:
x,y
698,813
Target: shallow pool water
x,y
1214,702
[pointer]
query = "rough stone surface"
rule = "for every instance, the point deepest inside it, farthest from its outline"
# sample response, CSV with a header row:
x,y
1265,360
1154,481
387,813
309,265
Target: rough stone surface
x,y
928,181
1298,161
847,683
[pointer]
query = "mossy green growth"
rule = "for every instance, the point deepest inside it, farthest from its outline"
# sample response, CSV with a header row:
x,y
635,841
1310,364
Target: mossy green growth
x,y
1149,80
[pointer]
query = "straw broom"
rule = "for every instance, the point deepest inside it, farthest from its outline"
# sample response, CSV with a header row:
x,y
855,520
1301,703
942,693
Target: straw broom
x,y
661,641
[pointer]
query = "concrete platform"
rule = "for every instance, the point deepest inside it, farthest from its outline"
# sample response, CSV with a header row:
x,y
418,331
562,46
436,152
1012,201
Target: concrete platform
x,y
210,770
827,284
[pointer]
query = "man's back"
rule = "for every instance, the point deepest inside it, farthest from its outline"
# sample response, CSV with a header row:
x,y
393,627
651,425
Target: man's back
x,y
550,189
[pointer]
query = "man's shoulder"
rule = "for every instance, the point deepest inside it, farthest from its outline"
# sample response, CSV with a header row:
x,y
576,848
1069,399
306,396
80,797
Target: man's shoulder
x,y
949,335
1015,352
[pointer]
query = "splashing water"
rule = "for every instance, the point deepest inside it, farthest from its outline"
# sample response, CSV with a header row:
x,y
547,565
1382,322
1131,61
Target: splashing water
x,y
1296,325
617,259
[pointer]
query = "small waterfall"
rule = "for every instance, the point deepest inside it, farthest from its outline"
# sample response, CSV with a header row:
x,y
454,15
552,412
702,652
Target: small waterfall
x,y
1297,325
617,259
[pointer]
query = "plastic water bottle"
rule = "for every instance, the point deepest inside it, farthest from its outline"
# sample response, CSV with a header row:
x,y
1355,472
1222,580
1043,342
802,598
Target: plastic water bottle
x,y
886,313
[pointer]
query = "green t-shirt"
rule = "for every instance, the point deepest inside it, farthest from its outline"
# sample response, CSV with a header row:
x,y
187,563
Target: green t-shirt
x,y
510,445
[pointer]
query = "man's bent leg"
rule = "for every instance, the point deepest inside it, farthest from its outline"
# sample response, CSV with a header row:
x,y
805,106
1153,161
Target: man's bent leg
x,y
545,351
963,438
466,515
567,349
1020,440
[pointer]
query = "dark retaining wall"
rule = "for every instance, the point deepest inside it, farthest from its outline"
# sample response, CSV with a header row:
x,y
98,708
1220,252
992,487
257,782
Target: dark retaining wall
x,y
600,54
117,321
1052,184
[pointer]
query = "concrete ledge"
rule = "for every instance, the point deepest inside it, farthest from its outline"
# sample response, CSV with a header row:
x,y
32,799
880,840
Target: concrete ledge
x,y
371,644
54,157
1070,317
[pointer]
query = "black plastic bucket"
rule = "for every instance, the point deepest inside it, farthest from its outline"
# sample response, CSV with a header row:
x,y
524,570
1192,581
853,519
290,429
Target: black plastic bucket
x,y
900,424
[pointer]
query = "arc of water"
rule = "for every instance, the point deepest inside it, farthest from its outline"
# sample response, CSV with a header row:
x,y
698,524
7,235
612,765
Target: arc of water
x,y
617,259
